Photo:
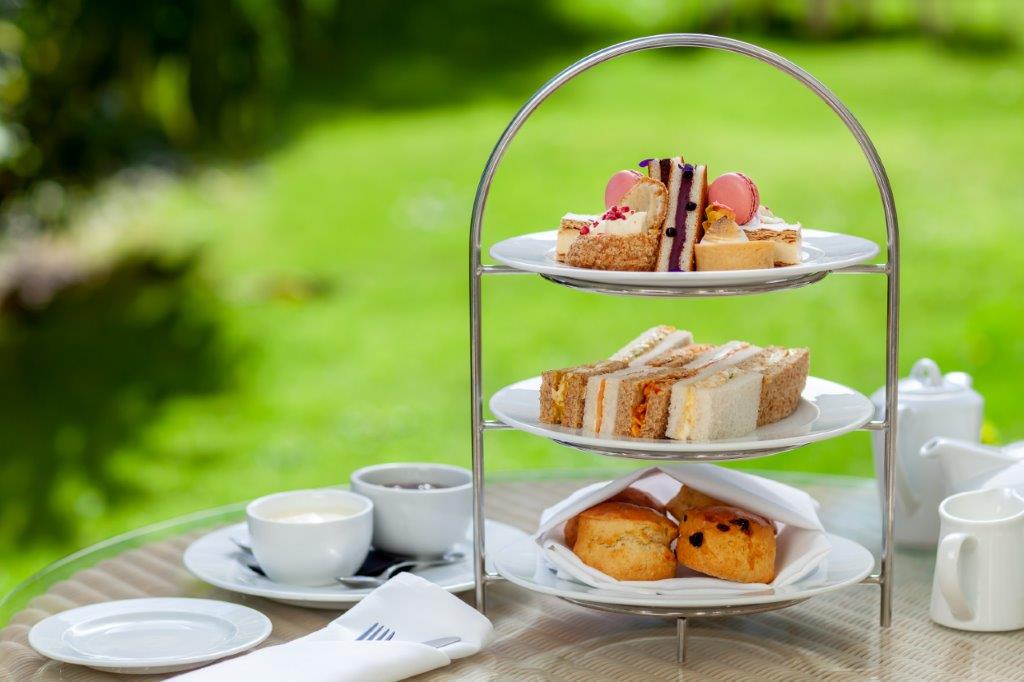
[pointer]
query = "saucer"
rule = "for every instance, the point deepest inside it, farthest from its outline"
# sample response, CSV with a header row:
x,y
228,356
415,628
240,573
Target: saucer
x,y
147,636
215,559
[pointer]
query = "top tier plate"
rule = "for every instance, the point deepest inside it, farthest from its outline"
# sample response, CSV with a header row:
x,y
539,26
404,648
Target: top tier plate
x,y
822,253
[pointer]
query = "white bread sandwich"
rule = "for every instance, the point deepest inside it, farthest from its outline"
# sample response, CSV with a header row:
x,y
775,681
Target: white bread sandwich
x,y
687,186
735,400
652,344
634,401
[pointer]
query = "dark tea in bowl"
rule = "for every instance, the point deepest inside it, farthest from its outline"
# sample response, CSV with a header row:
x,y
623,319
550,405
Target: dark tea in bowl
x,y
420,509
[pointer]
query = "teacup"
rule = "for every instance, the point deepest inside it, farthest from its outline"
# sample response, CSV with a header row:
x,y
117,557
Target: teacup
x,y
310,537
420,510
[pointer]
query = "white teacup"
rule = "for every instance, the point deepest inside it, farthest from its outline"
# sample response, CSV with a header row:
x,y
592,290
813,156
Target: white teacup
x,y
310,537
417,522
980,561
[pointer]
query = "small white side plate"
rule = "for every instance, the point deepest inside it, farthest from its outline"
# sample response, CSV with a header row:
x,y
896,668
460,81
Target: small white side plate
x,y
214,559
146,636
826,410
847,563
822,251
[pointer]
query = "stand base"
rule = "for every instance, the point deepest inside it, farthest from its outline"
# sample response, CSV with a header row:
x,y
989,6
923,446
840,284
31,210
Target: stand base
x,y
682,614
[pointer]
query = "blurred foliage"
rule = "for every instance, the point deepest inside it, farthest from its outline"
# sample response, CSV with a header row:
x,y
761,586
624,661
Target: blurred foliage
x,y
84,363
87,86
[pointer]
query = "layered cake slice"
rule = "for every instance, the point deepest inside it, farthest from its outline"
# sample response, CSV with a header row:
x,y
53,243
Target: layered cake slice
x,y
725,246
785,238
569,231
687,187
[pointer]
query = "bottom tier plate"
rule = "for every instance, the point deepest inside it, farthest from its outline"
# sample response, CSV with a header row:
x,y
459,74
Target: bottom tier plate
x,y
848,563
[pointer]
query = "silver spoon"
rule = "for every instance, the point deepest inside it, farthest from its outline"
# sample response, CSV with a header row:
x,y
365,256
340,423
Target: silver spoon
x,y
363,581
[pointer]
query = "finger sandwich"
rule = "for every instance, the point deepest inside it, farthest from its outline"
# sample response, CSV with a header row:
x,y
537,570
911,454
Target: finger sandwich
x,y
734,400
642,402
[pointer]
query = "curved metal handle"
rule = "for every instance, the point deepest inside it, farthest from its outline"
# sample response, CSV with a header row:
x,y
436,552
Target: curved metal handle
x,y
686,40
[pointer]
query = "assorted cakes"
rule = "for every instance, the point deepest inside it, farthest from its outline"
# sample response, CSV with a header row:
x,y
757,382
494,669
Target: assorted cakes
x,y
663,385
675,220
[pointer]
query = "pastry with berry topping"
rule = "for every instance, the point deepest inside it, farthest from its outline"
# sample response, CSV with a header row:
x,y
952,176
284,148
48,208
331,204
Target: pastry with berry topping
x,y
619,240
687,187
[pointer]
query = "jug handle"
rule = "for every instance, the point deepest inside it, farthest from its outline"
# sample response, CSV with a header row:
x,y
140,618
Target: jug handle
x,y
910,500
947,574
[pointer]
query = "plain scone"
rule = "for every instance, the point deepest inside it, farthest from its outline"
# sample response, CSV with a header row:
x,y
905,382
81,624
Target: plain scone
x,y
727,543
626,542
687,498
629,495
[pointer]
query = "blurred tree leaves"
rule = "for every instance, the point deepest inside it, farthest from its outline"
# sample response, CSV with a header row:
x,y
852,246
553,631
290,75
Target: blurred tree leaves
x,y
87,86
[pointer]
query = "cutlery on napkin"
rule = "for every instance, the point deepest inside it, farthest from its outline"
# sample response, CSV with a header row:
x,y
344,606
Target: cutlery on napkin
x,y
802,542
415,609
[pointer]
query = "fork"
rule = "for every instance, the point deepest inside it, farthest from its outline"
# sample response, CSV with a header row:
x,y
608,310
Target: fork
x,y
378,633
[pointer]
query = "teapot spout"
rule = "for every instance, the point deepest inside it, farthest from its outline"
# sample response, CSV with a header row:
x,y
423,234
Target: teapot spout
x,y
966,464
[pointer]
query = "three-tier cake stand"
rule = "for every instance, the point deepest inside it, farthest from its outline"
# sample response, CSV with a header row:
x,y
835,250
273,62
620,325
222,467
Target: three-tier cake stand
x,y
890,270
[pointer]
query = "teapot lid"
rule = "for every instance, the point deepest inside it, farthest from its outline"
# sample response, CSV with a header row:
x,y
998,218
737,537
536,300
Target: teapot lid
x,y
925,378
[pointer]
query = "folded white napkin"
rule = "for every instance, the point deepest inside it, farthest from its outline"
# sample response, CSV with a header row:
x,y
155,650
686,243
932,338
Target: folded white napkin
x,y
416,609
802,544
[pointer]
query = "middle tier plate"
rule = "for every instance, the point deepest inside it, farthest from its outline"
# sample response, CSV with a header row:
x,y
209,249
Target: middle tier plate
x,y
826,410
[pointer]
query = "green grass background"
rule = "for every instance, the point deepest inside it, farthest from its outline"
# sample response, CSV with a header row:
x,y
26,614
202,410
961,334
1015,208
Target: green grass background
x,y
375,205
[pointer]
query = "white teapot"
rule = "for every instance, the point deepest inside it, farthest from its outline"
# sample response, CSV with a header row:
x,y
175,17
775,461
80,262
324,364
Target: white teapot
x,y
970,466
929,405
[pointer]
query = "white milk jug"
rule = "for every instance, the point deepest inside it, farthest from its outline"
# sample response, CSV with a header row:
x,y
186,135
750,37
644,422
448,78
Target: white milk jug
x,y
980,561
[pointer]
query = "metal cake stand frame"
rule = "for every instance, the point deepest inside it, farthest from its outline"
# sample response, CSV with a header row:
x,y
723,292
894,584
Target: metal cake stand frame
x,y
889,269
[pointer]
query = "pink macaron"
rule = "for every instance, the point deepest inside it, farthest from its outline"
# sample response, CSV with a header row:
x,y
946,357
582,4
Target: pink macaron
x,y
618,186
738,192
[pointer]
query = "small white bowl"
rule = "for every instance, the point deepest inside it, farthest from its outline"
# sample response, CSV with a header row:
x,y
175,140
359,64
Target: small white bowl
x,y
419,523
310,553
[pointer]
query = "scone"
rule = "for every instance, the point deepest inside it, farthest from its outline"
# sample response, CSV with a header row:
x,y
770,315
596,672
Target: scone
x,y
688,498
626,541
629,495
727,543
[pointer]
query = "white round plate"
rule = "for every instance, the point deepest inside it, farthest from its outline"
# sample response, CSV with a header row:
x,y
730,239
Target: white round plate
x,y
826,410
215,559
146,636
847,564
822,252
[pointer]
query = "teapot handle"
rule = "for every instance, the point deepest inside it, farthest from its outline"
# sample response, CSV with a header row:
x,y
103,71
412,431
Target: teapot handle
x,y
947,575
903,487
